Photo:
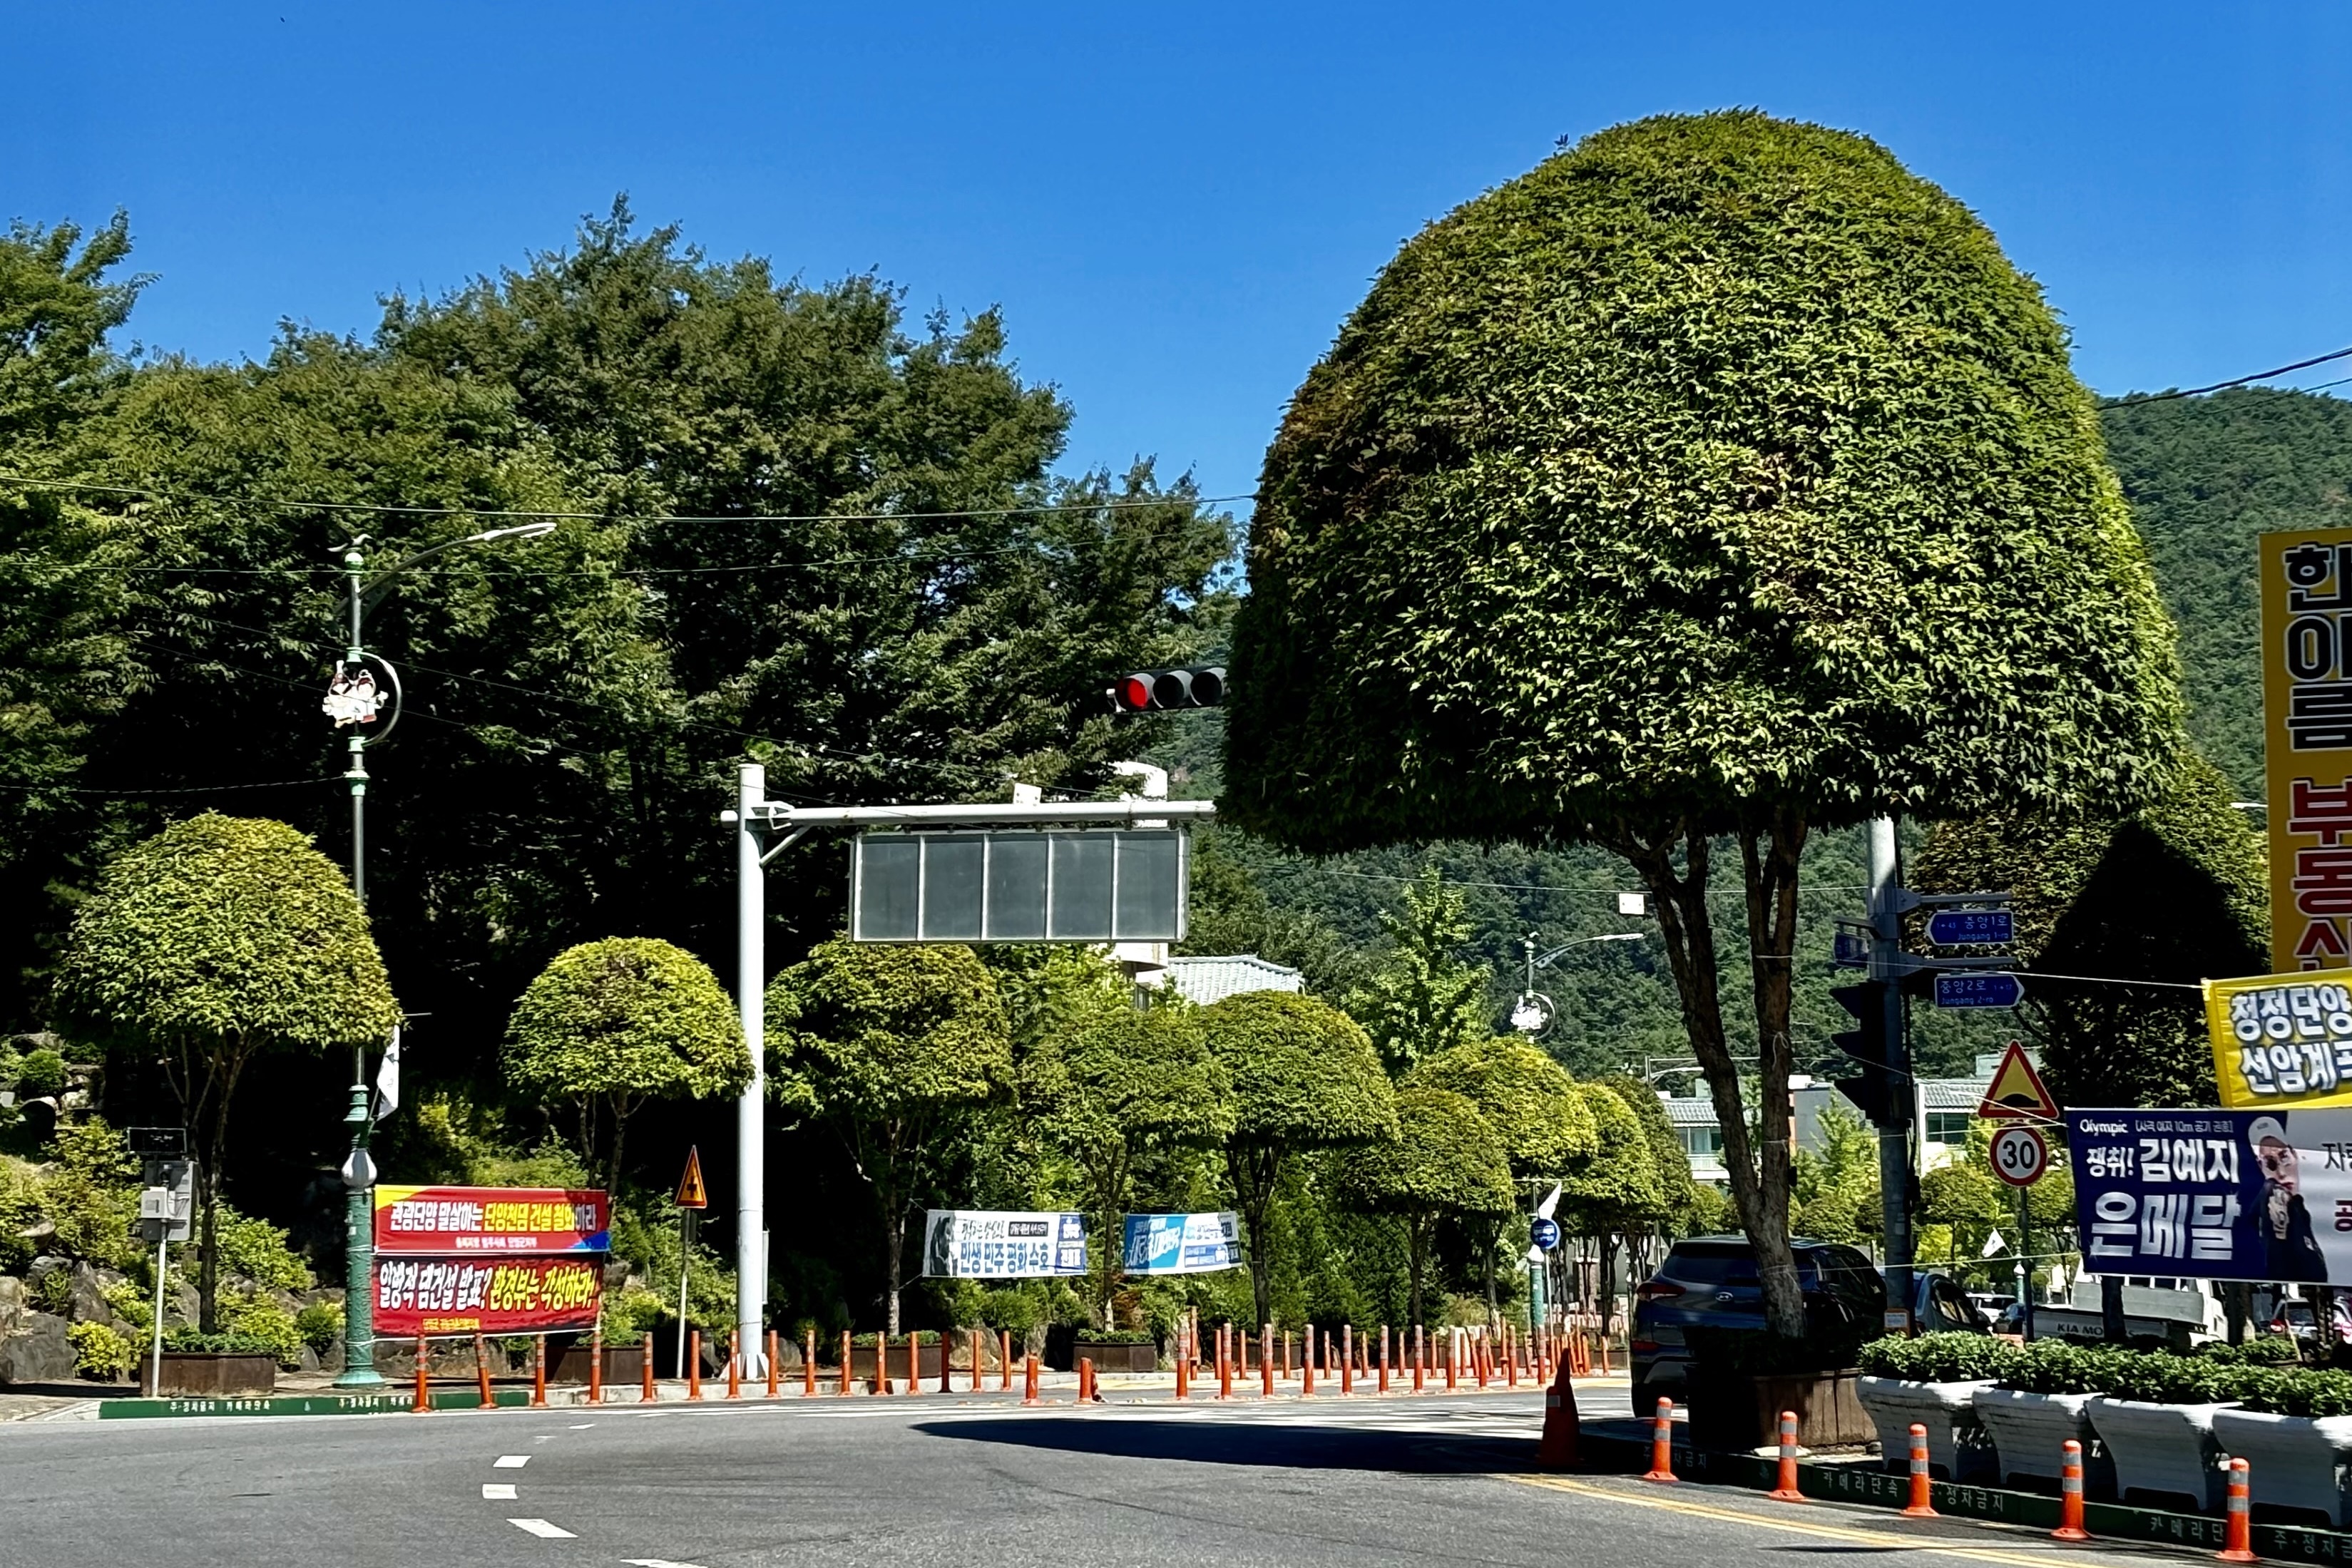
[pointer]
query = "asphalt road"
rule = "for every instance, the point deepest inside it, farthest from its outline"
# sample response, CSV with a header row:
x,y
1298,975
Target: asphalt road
x,y
976,1484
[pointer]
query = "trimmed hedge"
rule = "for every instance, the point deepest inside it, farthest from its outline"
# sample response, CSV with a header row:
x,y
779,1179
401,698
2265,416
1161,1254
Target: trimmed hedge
x,y
2250,1375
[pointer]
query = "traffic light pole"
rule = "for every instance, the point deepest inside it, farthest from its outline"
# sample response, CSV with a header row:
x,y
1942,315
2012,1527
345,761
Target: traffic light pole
x,y
1887,969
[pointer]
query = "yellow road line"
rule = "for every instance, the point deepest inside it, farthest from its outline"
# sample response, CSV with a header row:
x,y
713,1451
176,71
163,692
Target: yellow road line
x,y
1798,1527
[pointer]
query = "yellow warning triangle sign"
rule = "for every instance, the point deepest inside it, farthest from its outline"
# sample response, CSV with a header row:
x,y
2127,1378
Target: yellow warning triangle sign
x,y
691,1193
2016,1091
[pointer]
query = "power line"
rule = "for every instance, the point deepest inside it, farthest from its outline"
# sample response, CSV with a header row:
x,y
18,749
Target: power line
x,y
375,508
192,789
2235,382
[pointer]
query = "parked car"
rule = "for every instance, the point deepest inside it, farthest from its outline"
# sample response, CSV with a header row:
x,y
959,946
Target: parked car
x,y
1711,1281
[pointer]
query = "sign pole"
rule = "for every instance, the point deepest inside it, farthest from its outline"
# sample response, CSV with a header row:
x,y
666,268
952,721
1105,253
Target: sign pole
x,y
1902,1092
155,1354
750,1005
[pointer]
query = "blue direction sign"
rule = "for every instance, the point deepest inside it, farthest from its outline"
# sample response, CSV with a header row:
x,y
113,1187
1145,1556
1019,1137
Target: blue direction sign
x,y
1970,927
1994,990
1545,1233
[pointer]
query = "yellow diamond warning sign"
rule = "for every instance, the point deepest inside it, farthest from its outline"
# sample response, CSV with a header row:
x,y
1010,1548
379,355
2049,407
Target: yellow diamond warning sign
x,y
2016,1091
691,1193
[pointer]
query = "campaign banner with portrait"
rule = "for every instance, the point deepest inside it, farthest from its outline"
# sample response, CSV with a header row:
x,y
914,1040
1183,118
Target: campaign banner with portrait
x,y
485,1295
2262,1196
1182,1243
1003,1244
447,1219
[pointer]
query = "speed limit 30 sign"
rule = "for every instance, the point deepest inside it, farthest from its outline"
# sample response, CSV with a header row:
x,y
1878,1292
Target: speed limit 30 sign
x,y
2019,1157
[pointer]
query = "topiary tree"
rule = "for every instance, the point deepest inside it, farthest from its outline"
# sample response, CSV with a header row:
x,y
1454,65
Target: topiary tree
x,y
1532,1105
1446,1160
894,1048
610,1025
1303,1076
2082,888
1124,1085
1718,478
216,941
1619,1189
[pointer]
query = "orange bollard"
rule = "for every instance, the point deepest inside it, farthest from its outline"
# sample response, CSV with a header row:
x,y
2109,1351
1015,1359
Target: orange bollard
x,y
1029,1383
1510,1358
596,1364
1384,1358
1183,1368
2239,1545
1604,1352
1420,1360
1346,1358
735,1364
974,1336
1265,1361
1085,1379
1307,1363
1224,1360
1563,1432
538,1373
482,1373
1005,1364
694,1364
1662,1444
1453,1356
1785,1488
808,1362
424,1405
775,1362
847,1346
2070,1496
647,1368
1921,1505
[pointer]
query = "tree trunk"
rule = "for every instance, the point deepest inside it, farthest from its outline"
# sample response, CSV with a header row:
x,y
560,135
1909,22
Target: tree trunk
x,y
613,1170
894,1265
2237,1306
2113,1327
1760,1169
1252,1172
208,1190
1416,1252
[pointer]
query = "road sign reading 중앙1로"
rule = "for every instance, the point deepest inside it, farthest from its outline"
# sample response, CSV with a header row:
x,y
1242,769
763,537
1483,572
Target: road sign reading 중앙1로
x,y
2307,744
1993,990
1971,928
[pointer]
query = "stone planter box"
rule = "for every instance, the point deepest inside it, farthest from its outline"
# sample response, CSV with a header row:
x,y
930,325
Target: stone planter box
x,y
1959,1449
212,1373
2030,1430
861,1361
1120,1357
2294,1461
624,1364
2167,1450
1731,1412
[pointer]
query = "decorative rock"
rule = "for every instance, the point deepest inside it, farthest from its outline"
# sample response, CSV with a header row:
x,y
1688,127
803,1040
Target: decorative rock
x,y
89,1305
38,1353
12,1303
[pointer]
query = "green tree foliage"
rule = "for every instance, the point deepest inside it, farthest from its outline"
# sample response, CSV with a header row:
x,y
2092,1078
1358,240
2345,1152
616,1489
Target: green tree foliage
x,y
1446,1161
610,1025
2205,476
1967,1199
1834,1191
2174,893
1420,997
43,1072
216,940
1718,477
1677,1193
1619,1188
1123,1085
1303,1076
895,1049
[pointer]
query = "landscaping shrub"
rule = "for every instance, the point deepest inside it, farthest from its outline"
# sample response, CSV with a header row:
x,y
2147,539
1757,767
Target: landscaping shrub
x,y
42,1072
101,1353
2263,1350
2054,1366
1938,1358
321,1324
267,1325
187,1337
258,1251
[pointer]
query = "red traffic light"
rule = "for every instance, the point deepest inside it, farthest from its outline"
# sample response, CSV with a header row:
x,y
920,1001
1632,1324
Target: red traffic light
x,y
1161,690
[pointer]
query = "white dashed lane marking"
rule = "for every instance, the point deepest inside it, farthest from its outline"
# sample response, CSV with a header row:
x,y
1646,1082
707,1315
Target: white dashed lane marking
x,y
656,1563
510,1461
543,1530
498,1492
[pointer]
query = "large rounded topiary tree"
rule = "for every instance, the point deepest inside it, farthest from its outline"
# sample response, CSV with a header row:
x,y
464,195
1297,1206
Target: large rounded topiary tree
x,y
1303,1075
1717,478
610,1025
216,940
1446,1161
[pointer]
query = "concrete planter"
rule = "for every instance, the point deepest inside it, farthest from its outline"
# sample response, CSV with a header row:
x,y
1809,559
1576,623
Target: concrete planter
x,y
1119,1357
2292,1461
217,1373
2167,1450
2031,1431
1959,1449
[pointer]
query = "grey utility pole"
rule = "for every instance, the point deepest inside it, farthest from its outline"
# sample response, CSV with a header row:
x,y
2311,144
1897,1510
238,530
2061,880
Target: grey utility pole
x,y
353,700
755,815
1887,967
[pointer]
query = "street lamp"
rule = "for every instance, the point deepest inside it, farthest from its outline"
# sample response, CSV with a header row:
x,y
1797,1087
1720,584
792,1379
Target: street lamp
x,y
355,699
1533,1013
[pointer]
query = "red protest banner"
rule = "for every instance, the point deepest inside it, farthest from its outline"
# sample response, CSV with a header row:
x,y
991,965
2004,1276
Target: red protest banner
x,y
485,1295
464,1219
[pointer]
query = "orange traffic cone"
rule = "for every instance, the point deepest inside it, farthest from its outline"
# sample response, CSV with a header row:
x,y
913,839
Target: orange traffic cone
x,y
1561,1428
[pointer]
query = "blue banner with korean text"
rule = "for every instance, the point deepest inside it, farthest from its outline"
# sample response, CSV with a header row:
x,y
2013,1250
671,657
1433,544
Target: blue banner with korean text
x,y
2263,1196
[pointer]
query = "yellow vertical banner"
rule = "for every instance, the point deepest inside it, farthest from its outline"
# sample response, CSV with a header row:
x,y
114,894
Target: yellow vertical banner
x,y
2307,744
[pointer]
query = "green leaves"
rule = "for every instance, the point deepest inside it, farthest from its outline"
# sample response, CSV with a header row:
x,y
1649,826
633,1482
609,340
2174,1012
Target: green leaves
x,y
628,1018
1445,1160
1303,1073
1127,1080
865,1032
225,929
1715,467
1421,999
1529,1099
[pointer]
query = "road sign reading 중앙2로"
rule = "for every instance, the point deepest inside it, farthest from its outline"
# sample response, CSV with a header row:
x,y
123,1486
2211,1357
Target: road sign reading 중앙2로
x,y
1965,990
2306,589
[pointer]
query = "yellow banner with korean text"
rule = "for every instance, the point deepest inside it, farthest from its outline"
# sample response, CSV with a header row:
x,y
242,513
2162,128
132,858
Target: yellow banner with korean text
x,y
2306,588
2280,1040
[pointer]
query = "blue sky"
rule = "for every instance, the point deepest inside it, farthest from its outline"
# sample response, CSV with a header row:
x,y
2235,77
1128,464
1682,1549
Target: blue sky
x,y
1175,205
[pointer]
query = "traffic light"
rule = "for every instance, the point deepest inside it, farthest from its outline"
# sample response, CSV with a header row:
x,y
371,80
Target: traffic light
x,y
1159,691
1874,1088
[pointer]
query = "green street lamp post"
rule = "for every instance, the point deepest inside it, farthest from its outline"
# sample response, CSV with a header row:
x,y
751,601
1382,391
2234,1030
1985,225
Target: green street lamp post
x,y
355,699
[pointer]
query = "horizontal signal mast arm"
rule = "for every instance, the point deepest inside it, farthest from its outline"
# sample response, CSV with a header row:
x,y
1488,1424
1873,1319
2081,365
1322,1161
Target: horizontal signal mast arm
x,y
1024,814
